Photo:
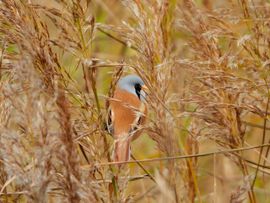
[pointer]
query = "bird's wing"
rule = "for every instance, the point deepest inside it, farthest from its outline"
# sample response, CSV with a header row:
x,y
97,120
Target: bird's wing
x,y
109,121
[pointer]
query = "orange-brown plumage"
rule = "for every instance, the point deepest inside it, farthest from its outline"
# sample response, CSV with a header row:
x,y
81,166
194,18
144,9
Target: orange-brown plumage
x,y
127,113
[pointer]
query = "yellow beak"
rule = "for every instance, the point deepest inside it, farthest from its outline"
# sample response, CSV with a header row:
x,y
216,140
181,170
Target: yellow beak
x,y
145,89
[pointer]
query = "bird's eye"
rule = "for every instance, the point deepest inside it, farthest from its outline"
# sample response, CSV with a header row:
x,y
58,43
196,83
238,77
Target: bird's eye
x,y
138,88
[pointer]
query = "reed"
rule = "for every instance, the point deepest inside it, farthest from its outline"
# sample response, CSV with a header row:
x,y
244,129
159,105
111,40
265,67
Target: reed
x,y
206,64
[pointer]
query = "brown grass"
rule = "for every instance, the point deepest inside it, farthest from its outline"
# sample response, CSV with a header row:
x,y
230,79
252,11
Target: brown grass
x,y
206,64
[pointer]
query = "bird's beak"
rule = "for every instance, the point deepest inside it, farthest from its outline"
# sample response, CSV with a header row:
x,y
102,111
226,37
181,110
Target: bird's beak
x,y
145,89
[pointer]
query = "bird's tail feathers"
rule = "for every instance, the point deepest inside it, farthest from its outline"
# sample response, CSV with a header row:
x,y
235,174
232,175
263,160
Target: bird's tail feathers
x,y
121,150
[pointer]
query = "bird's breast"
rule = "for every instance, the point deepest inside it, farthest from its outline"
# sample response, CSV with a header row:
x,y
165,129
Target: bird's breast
x,y
125,108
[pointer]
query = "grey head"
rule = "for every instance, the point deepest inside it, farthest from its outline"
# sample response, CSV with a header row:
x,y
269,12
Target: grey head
x,y
133,84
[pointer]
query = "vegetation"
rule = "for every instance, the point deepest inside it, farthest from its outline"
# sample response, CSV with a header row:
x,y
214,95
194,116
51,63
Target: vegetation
x,y
206,64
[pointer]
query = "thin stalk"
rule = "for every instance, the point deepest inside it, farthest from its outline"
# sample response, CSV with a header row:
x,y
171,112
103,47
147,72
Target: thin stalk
x,y
182,156
263,140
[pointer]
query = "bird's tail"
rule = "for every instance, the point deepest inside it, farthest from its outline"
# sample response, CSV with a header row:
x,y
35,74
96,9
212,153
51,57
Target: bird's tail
x,y
121,150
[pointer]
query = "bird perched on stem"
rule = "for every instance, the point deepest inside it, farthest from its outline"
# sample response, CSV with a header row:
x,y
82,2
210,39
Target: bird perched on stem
x,y
127,110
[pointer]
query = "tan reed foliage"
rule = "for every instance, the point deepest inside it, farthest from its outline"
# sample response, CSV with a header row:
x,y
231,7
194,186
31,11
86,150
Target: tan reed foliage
x,y
206,64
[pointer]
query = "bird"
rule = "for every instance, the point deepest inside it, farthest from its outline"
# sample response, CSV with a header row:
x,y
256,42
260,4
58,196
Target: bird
x,y
127,114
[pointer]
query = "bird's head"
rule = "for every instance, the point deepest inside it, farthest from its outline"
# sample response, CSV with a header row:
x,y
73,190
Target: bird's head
x,y
133,84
